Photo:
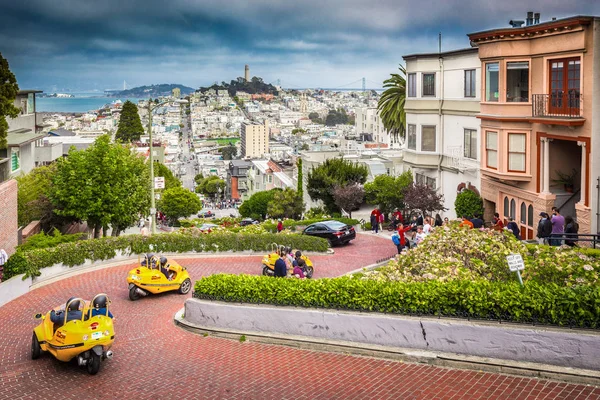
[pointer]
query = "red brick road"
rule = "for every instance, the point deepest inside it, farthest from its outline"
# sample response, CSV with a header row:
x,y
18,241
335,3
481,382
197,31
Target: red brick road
x,y
156,360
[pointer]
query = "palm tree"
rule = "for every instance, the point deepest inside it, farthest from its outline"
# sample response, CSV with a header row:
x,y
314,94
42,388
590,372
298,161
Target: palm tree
x,y
391,104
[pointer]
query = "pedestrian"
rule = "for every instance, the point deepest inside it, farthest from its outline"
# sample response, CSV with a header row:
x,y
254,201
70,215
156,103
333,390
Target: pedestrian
x,y
513,227
438,220
497,223
279,226
280,269
420,236
544,229
558,227
374,222
396,241
427,226
3,260
466,223
571,228
477,222
380,219
446,221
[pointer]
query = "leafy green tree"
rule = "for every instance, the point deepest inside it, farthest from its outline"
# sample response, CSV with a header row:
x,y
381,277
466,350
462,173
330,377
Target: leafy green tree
x,y
106,184
130,127
286,204
387,192
179,202
313,115
33,188
334,172
304,147
8,93
229,152
210,185
171,180
336,117
391,103
198,178
468,203
349,197
257,205
421,198
296,131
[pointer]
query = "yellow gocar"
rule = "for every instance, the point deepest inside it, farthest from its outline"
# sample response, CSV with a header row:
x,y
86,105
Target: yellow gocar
x,y
89,337
150,278
268,263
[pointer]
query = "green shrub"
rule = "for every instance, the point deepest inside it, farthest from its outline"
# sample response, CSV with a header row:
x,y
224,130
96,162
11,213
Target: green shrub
x,y
41,240
76,253
550,304
16,264
468,203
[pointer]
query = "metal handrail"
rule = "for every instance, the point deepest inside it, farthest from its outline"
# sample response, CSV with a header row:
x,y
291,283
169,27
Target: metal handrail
x,y
565,105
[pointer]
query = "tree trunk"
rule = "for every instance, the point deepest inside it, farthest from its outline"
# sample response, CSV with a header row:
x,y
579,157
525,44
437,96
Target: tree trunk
x,y
97,231
104,231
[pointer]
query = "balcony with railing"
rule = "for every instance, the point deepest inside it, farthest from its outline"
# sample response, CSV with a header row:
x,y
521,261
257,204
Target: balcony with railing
x,y
558,109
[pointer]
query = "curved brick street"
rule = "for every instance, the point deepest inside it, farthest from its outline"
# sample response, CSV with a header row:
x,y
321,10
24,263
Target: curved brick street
x,y
156,359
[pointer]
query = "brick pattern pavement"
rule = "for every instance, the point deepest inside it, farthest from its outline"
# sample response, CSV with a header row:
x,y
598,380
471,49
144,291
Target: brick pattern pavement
x,y
156,360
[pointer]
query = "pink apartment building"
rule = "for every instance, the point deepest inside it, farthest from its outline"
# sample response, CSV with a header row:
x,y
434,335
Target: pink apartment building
x,y
540,121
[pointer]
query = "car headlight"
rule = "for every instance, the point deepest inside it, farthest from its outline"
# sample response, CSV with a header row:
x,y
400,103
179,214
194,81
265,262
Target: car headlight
x,y
135,277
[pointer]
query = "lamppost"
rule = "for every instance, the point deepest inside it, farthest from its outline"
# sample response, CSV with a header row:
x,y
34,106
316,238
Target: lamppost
x,y
152,199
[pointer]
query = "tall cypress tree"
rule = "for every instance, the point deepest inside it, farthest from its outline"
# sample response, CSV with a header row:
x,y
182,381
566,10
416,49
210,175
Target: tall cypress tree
x,y
8,92
130,127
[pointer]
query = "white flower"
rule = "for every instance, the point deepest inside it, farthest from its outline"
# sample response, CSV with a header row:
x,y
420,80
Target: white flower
x,y
588,267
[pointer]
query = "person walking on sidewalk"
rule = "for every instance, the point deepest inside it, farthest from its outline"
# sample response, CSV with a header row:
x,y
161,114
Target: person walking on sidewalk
x,y
374,222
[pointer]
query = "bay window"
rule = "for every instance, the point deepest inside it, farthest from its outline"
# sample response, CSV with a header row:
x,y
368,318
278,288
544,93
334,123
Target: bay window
x,y
412,85
517,146
517,82
470,144
411,137
429,84
491,149
428,138
492,71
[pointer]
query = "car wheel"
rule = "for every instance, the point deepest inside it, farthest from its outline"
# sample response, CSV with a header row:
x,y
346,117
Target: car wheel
x,y
93,364
36,350
185,286
133,294
267,271
309,272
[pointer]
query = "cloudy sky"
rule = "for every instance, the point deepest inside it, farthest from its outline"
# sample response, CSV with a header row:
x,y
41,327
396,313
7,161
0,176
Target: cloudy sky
x,y
82,44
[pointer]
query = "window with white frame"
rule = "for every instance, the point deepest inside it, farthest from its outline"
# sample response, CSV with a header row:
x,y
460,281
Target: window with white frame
x,y
412,85
428,138
470,144
470,83
491,149
411,137
425,180
517,149
429,84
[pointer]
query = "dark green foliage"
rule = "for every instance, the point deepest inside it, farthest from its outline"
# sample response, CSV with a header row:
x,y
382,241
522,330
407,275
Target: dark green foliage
x,y
300,184
34,188
43,241
8,93
285,204
387,192
391,103
255,85
333,172
229,152
468,203
130,127
163,89
179,202
171,180
210,185
336,117
72,254
508,301
256,207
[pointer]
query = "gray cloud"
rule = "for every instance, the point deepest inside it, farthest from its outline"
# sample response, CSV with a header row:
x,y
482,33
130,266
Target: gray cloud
x,y
74,43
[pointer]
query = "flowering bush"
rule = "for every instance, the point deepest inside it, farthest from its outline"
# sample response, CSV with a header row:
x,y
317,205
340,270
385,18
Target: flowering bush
x,y
452,253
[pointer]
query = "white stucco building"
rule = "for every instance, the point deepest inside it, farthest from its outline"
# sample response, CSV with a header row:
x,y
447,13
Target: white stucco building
x,y
442,129
368,121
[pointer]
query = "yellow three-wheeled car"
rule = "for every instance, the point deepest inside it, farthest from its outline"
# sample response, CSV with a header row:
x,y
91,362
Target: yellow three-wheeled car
x,y
156,275
83,330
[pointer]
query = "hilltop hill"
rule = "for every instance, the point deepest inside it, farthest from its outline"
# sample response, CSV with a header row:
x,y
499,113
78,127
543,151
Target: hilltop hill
x,y
163,89
253,86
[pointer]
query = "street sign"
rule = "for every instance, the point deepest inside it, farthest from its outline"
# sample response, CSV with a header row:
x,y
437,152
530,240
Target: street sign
x,y
515,262
157,196
159,182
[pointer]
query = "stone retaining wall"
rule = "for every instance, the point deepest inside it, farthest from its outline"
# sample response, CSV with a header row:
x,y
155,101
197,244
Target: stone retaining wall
x,y
556,346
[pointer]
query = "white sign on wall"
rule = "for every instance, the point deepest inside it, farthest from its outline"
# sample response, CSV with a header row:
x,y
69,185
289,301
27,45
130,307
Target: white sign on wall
x,y
159,182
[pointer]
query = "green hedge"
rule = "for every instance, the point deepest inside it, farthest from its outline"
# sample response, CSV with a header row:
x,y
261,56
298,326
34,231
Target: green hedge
x,y
508,301
42,241
31,262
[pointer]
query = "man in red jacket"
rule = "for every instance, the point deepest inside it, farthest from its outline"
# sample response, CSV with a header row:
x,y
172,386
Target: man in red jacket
x,y
401,232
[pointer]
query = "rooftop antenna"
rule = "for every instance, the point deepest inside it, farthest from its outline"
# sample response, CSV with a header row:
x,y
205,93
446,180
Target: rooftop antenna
x,y
440,43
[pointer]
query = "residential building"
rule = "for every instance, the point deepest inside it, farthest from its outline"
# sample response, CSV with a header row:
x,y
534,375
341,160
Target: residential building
x,y
540,120
442,128
267,175
19,156
368,121
254,139
237,174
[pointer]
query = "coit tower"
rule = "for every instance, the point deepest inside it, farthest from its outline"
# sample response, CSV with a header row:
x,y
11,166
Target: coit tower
x,y
247,73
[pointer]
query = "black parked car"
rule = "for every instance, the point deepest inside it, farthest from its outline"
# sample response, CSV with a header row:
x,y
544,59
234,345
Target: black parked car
x,y
334,231
248,221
